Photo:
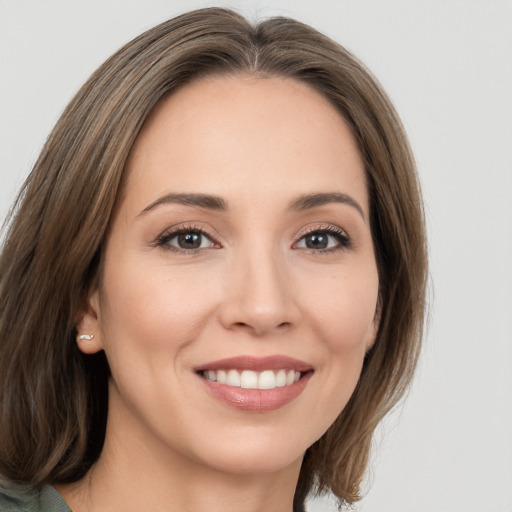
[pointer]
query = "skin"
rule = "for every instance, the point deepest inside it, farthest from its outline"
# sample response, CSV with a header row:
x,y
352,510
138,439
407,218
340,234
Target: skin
x,y
253,288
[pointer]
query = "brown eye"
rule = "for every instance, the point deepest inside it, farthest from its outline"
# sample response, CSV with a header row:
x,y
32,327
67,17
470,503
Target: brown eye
x,y
186,240
324,240
189,240
316,241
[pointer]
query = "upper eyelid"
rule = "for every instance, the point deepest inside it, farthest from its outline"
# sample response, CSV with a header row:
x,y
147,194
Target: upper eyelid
x,y
183,228
323,227
345,239
176,230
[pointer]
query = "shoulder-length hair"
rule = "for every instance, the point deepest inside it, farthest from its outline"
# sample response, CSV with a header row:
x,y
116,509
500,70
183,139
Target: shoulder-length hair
x,y
53,398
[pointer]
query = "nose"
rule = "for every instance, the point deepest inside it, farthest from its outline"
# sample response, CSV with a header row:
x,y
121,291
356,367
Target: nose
x,y
260,296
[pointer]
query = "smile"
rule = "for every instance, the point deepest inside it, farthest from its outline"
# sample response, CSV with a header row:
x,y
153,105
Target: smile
x,y
257,384
249,379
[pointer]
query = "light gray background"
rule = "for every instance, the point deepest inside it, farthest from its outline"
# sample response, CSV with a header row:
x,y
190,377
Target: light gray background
x,y
447,64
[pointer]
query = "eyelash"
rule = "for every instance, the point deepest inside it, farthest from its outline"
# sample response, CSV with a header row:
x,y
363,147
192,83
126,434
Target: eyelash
x,y
164,239
344,241
337,233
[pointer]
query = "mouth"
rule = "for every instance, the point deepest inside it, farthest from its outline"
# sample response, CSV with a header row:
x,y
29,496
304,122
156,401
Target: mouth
x,y
256,384
249,379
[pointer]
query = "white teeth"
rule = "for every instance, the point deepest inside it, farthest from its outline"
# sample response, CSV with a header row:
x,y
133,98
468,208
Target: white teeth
x,y
267,380
221,376
281,378
248,379
233,379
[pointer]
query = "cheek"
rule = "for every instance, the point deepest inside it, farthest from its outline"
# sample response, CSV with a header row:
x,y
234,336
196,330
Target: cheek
x,y
343,320
343,311
149,322
157,309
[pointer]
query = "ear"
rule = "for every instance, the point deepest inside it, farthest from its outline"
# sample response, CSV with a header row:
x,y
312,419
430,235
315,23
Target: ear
x,y
89,338
374,327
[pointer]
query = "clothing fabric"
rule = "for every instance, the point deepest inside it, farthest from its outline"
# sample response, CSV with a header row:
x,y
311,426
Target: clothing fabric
x,y
17,498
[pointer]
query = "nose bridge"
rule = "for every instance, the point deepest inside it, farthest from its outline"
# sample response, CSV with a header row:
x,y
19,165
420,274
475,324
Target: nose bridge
x,y
259,294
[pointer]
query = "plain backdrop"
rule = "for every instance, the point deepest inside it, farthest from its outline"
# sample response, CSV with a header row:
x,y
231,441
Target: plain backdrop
x,y
447,65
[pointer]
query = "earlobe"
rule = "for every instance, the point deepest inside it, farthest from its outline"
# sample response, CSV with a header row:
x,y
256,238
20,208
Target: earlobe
x,y
374,328
372,338
88,336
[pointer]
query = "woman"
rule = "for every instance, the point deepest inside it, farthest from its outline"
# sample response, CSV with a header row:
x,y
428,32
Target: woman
x,y
213,285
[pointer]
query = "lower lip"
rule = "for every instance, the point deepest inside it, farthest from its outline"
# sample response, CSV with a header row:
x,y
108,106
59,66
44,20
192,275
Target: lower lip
x,y
259,400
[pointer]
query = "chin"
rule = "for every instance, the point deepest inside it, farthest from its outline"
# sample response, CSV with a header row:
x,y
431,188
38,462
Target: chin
x,y
261,451
246,462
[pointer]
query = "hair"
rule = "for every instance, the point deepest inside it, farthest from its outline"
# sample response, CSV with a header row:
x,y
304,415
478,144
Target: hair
x,y
54,398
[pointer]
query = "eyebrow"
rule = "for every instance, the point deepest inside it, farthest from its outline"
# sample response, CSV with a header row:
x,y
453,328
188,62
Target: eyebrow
x,y
313,200
200,200
211,202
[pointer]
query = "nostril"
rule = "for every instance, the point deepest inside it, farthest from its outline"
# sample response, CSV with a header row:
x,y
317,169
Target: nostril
x,y
259,328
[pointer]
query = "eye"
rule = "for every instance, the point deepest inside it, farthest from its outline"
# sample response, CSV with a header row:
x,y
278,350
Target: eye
x,y
186,240
324,239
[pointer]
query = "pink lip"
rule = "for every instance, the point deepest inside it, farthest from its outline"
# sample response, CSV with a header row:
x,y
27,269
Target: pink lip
x,y
257,364
257,400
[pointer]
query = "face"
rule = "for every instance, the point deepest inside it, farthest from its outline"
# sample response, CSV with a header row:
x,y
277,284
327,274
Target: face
x,y
238,288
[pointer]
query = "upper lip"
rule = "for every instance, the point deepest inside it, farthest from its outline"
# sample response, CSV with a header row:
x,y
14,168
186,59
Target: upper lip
x,y
247,362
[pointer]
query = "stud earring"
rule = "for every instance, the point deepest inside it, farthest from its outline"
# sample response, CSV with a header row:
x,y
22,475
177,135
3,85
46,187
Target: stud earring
x,y
82,337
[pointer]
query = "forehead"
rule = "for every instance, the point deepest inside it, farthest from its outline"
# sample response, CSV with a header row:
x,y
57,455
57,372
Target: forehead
x,y
245,135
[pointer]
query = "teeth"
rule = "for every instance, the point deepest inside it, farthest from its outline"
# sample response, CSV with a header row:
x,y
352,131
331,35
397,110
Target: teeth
x,y
267,380
233,379
221,376
248,379
281,378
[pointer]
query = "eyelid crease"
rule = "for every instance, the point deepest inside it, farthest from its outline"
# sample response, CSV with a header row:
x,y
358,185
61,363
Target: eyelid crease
x,y
324,227
342,236
172,232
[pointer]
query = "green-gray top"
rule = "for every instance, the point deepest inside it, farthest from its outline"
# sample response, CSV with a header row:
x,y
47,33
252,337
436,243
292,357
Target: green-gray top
x,y
27,499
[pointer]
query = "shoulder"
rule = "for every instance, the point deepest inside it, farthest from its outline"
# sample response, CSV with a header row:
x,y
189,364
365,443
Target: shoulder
x,y
15,497
23,498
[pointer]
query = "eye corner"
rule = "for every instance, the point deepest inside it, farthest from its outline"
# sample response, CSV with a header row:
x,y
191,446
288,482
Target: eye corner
x,y
326,238
197,238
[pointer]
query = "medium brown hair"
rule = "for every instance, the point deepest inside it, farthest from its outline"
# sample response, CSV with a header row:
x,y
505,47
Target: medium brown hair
x,y
53,398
